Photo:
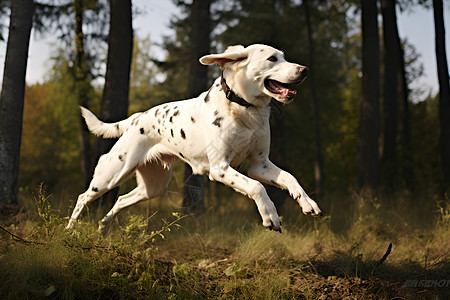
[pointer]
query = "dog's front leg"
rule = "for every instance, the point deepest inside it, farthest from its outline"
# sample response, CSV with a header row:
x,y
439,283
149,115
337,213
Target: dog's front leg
x,y
267,172
251,188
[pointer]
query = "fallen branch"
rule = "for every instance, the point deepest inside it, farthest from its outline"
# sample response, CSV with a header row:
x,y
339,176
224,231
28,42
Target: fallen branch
x,y
388,251
20,239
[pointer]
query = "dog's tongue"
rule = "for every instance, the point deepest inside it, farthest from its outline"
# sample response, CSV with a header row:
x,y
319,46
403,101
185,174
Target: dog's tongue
x,y
284,91
288,93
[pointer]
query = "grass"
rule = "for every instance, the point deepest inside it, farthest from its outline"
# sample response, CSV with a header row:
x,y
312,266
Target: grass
x,y
226,253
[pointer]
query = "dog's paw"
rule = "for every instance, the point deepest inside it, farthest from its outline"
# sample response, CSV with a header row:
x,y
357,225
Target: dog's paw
x,y
273,226
272,221
309,206
317,212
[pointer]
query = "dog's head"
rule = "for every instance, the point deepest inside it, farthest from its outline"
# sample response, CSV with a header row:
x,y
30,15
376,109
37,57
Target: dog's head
x,y
258,71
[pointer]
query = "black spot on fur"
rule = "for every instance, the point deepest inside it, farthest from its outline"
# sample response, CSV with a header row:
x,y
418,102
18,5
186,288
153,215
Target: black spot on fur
x,y
156,112
222,175
218,121
166,113
176,113
171,132
170,120
142,130
183,135
216,113
181,154
264,166
135,121
192,120
153,127
120,157
117,127
207,97
232,183
94,189
159,131
217,85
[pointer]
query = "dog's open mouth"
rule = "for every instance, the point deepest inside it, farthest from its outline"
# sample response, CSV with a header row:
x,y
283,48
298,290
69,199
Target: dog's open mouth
x,y
278,88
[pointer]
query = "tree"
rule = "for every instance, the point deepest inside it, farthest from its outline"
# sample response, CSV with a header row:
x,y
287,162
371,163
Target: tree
x,y
114,105
318,163
12,97
444,89
200,30
405,130
392,57
82,86
396,151
369,124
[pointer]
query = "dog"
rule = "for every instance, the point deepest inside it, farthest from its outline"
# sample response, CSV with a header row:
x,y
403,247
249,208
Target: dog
x,y
214,133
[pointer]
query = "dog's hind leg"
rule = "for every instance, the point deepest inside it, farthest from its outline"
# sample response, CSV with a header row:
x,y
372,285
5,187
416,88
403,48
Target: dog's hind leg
x,y
152,179
112,169
100,184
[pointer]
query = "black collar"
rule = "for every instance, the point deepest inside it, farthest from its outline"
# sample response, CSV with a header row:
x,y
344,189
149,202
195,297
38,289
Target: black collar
x,y
232,95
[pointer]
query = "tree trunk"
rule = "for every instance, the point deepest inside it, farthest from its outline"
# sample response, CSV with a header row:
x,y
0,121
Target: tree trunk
x,y
392,56
114,106
82,91
318,162
12,97
405,141
369,124
444,89
193,189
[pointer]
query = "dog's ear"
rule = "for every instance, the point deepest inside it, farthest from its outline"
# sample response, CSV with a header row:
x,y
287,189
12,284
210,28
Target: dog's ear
x,y
233,54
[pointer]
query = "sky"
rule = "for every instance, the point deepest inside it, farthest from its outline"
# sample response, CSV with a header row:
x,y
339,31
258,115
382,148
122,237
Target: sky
x,y
417,26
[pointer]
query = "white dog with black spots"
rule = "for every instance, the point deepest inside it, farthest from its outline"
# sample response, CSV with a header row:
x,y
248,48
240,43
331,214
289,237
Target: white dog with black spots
x,y
214,133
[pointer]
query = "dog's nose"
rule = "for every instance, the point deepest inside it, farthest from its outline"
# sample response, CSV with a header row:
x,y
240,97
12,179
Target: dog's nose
x,y
303,70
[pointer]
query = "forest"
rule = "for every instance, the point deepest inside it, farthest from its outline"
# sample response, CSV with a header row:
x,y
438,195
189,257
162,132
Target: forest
x,y
370,146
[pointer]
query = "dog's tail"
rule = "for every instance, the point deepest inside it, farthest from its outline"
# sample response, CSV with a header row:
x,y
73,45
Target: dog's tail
x,y
99,128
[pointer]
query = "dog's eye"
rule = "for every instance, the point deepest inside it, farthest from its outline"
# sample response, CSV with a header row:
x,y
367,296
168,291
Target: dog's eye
x,y
273,58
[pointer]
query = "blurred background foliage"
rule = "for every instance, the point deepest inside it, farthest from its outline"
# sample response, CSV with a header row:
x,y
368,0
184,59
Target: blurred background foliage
x,y
50,146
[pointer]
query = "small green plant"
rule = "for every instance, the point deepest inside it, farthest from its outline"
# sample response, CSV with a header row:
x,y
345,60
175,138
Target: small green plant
x,y
50,219
136,230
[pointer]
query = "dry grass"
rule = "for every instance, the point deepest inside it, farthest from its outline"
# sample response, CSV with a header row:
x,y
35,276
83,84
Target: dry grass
x,y
226,253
